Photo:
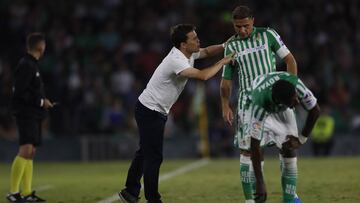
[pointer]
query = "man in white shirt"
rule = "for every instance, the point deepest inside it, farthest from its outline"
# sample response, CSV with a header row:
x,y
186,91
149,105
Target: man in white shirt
x,y
154,103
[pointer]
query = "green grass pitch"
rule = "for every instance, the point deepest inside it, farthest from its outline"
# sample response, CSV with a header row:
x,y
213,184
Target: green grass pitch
x,y
320,180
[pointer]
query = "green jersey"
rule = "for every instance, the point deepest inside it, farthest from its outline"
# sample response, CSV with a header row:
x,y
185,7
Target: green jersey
x,y
260,94
255,55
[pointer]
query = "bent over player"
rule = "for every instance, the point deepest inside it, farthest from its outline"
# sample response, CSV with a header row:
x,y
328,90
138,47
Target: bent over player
x,y
268,117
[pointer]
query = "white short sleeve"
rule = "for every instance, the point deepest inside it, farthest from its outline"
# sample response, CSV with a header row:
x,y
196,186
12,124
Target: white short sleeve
x,y
179,65
196,55
282,52
308,101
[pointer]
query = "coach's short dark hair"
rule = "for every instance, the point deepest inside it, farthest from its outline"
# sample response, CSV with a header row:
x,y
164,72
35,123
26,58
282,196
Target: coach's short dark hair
x,y
33,40
283,92
241,12
178,33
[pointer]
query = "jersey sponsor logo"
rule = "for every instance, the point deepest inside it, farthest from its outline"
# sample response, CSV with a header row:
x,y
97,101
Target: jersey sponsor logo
x,y
250,50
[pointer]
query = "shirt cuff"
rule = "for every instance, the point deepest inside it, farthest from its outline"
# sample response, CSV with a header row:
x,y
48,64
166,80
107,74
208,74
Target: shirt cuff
x,y
41,102
302,139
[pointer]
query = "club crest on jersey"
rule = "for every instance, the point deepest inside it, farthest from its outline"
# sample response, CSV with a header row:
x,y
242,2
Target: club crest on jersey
x,y
256,125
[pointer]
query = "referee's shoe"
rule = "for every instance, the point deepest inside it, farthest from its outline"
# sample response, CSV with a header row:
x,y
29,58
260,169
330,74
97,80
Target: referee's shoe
x,y
126,197
33,198
15,197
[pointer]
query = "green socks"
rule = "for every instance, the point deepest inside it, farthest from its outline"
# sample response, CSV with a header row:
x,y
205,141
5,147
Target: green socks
x,y
288,178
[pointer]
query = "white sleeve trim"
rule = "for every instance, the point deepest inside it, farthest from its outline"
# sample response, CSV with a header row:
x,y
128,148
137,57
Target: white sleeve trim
x,y
196,55
282,52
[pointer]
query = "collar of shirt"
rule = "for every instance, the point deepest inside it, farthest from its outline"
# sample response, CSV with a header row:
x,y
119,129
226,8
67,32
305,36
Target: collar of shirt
x,y
178,53
31,57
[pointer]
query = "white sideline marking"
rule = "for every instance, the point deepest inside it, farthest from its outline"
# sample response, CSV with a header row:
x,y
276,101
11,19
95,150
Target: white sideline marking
x,y
44,187
181,170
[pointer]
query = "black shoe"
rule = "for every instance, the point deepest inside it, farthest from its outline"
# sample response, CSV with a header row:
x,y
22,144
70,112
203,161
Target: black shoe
x,y
33,198
16,197
126,197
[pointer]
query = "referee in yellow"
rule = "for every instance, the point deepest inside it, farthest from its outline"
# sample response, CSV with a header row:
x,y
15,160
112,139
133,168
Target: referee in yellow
x,y
29,106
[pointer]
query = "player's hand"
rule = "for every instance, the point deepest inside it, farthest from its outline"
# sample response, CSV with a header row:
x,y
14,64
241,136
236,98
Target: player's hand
x,y
47,104
291,143
229,58
260,196
228,115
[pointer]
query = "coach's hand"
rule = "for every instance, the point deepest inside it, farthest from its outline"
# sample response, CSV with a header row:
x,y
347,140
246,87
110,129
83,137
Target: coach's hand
x,y
47,104
291,143
229,58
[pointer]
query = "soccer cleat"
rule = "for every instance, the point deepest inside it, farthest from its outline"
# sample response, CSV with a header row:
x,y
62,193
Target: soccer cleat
x,y
16,197
33,198
126,197
297,199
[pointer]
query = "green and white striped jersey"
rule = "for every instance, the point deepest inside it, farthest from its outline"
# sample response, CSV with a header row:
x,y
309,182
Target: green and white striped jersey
x,y
255,55
260,95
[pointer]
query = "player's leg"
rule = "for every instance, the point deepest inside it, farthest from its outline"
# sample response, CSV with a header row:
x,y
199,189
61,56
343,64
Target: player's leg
x,y
247,176
284,124
288,175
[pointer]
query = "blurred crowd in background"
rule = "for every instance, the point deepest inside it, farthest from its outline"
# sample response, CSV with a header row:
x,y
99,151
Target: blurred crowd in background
x,y
100,55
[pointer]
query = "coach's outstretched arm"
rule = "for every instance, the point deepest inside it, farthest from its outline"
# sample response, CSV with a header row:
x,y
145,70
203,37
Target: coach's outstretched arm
x,y
208,72
211,50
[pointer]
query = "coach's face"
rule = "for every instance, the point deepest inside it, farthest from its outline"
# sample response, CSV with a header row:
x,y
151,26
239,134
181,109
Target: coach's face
x,y
244,26
192,44
41,47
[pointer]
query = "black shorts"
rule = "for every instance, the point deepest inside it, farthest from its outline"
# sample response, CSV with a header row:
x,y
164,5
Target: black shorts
x,y
29,130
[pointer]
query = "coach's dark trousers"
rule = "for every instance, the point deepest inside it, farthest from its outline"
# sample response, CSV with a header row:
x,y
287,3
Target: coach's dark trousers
x,y
149,156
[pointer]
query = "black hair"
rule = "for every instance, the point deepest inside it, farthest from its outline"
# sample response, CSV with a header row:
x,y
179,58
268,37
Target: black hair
x,y
179,33
283,92
33,39
241,12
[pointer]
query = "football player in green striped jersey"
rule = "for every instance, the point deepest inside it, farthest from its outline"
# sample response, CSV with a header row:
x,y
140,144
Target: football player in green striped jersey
x,y
267,107
256,49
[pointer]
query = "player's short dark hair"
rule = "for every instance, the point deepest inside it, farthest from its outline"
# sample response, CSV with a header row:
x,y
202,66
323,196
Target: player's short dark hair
x,y
179,33
283,92
33,39
241,12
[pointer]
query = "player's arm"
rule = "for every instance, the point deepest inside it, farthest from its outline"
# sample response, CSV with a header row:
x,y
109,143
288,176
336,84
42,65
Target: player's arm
x,y
208,72
278,46
313,115
256,126
225,93
309,102
260,195
225,90
211,51
291,65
